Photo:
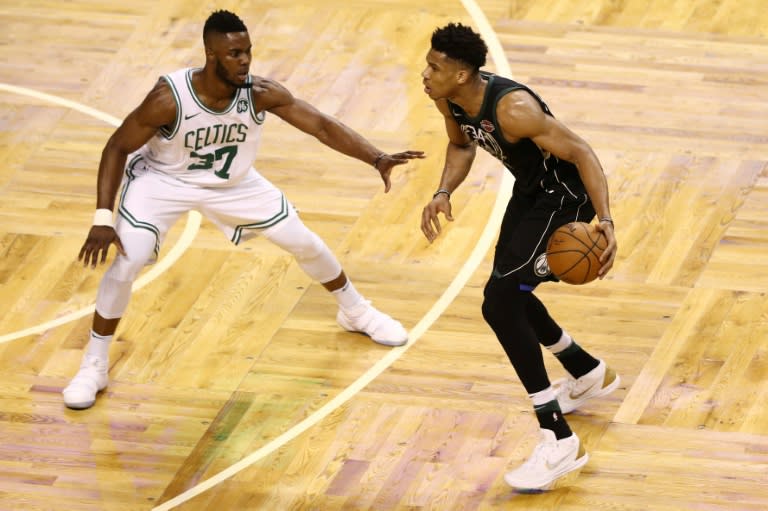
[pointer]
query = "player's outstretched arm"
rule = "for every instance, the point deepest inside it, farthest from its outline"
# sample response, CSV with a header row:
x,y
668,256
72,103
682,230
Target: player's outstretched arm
x,y
270,95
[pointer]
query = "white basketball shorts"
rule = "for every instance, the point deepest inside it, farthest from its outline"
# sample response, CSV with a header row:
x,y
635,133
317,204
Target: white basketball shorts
x,y
154,201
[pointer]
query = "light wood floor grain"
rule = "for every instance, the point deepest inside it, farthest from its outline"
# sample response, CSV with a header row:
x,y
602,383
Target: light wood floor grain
x,y
231,347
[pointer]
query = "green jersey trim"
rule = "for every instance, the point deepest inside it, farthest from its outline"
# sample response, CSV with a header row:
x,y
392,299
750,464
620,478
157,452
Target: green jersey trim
x,y
279,217
165,131
127,215
200,103
258,117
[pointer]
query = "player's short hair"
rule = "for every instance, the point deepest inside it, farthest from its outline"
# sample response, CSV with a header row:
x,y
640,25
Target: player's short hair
x,y
222,22
460,42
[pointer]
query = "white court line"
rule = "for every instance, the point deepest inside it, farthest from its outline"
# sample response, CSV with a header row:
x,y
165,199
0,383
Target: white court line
x,y
189,233
475,258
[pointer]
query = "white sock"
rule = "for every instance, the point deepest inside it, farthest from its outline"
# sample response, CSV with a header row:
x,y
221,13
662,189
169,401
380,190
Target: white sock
x,y
562,344
347,296
98,346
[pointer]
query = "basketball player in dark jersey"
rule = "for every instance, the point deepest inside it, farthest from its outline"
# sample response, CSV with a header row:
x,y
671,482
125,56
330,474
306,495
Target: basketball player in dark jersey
x,y
558,179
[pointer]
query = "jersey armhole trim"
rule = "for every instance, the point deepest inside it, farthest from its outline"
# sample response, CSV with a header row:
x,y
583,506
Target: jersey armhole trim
x,y
258,117
168,133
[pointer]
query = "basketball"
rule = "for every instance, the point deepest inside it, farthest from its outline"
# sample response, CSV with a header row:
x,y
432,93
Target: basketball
x,y
573,252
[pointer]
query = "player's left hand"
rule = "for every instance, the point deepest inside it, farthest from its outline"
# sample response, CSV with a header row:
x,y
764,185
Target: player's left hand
x,y
387,162
96,245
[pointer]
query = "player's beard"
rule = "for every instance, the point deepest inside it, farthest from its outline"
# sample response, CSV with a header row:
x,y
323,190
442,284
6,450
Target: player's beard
x,y
221,72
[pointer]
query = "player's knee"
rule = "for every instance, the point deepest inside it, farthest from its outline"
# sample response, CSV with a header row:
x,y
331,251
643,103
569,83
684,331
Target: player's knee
x,y
503,301
123,269
317,260
311,252
491,301
489,311
140,250
294,237
309,247
113,297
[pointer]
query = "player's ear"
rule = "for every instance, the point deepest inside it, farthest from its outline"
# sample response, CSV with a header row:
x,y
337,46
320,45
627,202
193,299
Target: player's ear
x,y
208,43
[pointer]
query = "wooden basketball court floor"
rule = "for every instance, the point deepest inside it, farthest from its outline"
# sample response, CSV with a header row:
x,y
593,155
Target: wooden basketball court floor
x,y
233,388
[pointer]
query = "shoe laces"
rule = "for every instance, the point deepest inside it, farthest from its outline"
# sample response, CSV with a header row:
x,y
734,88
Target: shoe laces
x,y
579,386
565,386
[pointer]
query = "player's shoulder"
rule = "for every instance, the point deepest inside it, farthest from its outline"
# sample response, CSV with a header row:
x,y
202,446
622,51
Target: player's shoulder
x,y
520,116
159,105
518,104
169,86
269,93
264,85
160,91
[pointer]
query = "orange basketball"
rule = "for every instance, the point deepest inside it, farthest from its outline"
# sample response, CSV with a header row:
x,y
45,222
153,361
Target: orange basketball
x,y
573,252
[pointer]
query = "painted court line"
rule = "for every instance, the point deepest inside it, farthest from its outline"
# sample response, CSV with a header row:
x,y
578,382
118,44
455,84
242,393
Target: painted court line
x,y
187,236
475,258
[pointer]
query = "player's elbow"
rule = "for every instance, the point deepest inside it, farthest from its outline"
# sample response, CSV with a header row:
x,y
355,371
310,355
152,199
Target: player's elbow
x,y
113,145
462,145
466,149
580,155
117,147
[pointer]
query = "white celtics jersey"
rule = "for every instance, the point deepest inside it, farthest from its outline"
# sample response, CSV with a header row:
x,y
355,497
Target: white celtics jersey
x,y
205,147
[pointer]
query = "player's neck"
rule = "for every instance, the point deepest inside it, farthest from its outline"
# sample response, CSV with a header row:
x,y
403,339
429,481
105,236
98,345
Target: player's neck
x,y
471,95
214,93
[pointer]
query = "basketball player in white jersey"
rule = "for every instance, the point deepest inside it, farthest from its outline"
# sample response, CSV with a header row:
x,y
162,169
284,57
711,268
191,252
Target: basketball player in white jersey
x,y
190,145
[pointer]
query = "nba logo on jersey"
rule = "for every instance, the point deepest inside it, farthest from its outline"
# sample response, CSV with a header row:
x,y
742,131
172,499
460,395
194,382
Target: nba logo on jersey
x,y
242,106
487,125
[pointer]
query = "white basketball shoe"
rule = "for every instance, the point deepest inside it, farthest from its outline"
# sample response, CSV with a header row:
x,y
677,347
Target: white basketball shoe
x,y
380,327
551,459
89,380
574,392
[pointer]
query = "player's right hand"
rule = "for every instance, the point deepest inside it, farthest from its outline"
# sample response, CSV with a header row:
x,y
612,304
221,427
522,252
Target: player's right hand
x,y
96,245
430,223
609,254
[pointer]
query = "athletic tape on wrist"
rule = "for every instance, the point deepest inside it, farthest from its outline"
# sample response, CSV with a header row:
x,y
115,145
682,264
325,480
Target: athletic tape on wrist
x,y
102,217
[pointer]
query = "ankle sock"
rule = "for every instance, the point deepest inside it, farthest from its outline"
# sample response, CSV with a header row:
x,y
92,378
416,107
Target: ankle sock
x,y
573,358
347,296
549,414
98,346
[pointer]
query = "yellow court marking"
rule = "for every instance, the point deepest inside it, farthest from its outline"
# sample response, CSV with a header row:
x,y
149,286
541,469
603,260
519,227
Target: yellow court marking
x,y
187,236
475,258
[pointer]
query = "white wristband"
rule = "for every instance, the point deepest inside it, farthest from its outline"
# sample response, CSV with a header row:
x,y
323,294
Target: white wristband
x,y
102,217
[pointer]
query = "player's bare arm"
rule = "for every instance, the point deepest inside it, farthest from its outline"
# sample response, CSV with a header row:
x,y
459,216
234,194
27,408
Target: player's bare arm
x,y
459,155
270,95
157,109
520,116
